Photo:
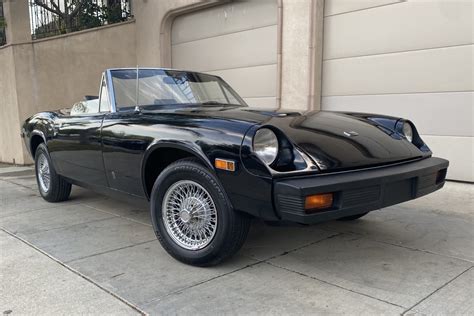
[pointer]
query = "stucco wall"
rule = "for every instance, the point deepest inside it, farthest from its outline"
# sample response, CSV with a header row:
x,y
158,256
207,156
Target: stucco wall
x,y
56,72
301,52
64,69
9,131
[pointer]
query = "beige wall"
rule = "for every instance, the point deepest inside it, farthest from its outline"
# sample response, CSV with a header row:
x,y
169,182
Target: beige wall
x,y
54,73
57,71
17,20
301,49
76,62
9,131
412,59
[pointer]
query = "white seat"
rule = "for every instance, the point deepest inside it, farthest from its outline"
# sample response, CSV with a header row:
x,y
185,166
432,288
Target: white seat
x,y
85,107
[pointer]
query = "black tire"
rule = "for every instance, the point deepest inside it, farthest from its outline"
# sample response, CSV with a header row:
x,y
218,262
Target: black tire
x,y
352,217
231,228
59,189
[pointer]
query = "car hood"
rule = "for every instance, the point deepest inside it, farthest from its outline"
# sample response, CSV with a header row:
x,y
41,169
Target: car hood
x,y
334,140
337,141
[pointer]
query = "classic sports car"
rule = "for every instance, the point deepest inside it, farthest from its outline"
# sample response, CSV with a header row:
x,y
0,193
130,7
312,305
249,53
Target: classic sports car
x,y
186,142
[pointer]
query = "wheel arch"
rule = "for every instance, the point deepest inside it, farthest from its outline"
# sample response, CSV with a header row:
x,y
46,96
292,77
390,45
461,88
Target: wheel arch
x,y
37,138
161,154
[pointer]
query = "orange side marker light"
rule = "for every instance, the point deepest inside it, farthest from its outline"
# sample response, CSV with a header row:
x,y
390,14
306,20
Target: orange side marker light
x,y
224,164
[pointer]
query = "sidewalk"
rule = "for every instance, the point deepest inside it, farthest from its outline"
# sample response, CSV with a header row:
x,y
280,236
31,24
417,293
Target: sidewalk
x,y
92,254
33,283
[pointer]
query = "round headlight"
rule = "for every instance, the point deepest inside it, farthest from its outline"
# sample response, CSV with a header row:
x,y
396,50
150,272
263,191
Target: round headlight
x,y
408,131
265,145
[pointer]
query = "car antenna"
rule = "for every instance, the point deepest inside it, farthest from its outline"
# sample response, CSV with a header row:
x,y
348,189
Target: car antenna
x,y
137,107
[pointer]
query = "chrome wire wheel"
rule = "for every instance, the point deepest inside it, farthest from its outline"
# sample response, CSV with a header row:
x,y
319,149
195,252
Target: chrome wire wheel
x,y
43,172
189,215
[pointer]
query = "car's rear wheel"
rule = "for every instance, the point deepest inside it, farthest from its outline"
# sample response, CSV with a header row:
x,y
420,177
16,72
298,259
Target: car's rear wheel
x,y
192,216
52,187
352,217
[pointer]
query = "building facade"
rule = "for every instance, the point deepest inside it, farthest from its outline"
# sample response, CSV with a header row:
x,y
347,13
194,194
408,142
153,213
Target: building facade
x,y
411,58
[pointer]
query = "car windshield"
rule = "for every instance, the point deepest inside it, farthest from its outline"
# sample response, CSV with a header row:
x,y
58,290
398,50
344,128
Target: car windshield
x,y
158,87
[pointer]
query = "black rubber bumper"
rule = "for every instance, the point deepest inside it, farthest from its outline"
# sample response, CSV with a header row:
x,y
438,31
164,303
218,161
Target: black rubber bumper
x,y
359,191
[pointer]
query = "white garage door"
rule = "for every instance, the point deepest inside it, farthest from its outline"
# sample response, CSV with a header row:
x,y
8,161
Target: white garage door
x,y
237,41
412,59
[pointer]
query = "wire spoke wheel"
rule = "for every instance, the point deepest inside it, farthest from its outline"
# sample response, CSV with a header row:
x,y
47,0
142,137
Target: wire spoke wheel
x,y
189,215
43,172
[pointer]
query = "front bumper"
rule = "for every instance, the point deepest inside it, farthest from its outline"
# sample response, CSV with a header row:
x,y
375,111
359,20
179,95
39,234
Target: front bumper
x,y
359,191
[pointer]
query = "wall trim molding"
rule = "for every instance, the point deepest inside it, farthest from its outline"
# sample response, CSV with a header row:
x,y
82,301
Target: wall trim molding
x,y
51,38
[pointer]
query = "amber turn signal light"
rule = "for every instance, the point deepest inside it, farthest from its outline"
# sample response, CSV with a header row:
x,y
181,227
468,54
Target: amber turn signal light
x,y
223,164
318,201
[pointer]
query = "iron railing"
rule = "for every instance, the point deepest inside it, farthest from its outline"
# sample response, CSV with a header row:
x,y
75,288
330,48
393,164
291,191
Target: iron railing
x,y
3,37
56,17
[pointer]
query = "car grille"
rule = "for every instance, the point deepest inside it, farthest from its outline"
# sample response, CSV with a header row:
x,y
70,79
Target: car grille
x,y
360,196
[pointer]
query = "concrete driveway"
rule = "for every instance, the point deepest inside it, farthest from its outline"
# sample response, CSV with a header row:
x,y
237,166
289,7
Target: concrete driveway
x,y
96,255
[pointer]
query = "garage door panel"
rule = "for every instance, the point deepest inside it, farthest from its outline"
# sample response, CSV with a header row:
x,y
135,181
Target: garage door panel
x,y
458,150
243,49
236,41
433,113
411,59
431,70
226,19
399,27
251,81
332,7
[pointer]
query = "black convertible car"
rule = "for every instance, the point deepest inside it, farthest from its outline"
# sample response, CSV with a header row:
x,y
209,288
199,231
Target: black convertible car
x,y
207,162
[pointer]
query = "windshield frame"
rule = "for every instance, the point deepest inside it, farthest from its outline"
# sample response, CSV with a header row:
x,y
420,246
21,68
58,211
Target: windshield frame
x,y
111,89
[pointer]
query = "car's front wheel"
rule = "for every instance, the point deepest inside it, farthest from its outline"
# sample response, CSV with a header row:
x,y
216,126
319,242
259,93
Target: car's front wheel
x,y
52,187
192,216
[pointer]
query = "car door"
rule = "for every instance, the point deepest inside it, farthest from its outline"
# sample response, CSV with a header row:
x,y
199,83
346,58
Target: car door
x,y
125,136
124,144
77,143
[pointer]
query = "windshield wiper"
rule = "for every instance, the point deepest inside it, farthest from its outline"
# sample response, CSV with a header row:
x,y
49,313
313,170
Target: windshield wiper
x,y
218,103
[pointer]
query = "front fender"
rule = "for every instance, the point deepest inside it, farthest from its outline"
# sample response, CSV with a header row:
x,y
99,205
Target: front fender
x,y
41,124
187,146
190,147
